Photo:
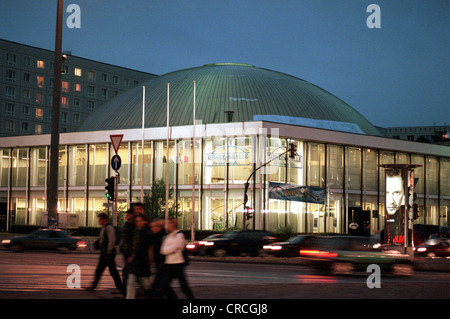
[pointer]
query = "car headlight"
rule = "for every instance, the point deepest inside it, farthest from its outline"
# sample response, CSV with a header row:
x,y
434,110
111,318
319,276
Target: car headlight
x,y
6,241
272,247
421,249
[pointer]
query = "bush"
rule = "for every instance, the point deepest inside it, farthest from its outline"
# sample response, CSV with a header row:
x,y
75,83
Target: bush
x,y
285,232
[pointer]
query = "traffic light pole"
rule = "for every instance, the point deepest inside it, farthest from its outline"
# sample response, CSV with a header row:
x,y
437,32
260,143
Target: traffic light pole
x,y
116,199
290,150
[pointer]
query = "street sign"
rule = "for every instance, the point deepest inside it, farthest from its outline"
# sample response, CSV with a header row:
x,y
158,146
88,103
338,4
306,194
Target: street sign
x,y
116,140
116,162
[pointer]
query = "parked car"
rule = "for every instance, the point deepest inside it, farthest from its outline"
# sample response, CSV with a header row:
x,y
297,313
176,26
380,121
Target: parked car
x,y
238,242
433,247
45,239
194,247
289,248
346,254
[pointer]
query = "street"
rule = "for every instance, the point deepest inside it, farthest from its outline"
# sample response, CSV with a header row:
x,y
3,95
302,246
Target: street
x,y
44,275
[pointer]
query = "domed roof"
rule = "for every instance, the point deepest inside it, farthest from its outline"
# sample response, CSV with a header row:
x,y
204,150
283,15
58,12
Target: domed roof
x,y
248,92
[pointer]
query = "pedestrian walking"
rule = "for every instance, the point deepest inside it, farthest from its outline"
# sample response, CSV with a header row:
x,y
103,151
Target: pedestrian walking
x,y
138,209
126,243
106,244
158,234
174,264
139,261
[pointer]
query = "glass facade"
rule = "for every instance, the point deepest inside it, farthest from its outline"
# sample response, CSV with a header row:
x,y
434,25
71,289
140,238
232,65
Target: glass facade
x,y
351,176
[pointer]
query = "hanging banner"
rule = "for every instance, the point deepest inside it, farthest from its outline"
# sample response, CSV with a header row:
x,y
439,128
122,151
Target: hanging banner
x,y
307,194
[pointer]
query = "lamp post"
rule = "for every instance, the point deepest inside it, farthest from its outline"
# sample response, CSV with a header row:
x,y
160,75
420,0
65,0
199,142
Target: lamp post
x,y
52,192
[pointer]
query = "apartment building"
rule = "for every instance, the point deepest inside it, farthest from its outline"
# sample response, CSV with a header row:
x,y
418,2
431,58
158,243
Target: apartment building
x,y
26,88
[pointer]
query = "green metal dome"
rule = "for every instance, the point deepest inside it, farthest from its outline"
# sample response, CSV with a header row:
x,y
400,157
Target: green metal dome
x,y
228,92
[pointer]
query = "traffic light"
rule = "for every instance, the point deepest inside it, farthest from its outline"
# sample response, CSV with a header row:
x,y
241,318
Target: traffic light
x,y
110,188
63,59
414,206
248,211
292,150
415,211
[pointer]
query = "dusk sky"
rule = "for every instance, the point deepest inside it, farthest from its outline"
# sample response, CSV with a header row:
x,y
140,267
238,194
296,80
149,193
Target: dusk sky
x,y
396,75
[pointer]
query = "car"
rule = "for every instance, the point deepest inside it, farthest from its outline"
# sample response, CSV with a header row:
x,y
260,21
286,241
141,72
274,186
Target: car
x,y
343,255
433,247
45,239
193,248
289,248
238,242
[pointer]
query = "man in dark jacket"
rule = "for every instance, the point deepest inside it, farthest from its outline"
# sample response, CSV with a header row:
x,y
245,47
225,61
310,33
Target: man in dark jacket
x,y
158,233
106,244
139,261
126,243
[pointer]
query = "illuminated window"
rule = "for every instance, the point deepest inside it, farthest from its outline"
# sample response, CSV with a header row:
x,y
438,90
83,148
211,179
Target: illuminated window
x,y
65,86
39,113
77,71
38,129
39,97
64,101
40,81
77,87
40,64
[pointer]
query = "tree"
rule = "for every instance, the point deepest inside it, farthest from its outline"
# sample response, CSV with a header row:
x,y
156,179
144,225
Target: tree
x,y
155,201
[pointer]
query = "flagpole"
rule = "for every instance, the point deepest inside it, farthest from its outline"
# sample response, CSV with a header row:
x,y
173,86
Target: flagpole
x,y
167,157
193,173
142,164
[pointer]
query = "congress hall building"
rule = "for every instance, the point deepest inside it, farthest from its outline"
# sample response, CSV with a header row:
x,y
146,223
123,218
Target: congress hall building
x,y
245,117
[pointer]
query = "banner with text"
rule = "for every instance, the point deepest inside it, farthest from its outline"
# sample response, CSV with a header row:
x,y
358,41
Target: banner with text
x,y
307,194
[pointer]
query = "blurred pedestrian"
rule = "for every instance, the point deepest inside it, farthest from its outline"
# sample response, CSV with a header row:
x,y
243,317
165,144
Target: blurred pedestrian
x,y
106,244
158,233
174,264
138,209
126,242
139,261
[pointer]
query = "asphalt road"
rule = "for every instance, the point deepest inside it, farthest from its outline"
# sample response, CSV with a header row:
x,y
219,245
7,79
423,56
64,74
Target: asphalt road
x,y
44,275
